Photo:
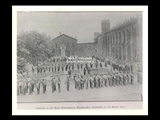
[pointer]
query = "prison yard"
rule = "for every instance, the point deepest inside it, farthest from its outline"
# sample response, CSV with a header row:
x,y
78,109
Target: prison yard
x,y
61,69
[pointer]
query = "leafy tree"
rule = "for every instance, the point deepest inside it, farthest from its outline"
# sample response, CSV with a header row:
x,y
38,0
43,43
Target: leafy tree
x,y
34,48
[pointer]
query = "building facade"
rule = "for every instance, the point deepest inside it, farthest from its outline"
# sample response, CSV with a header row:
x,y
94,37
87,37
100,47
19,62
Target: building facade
x,y
64,40
124,42
122,45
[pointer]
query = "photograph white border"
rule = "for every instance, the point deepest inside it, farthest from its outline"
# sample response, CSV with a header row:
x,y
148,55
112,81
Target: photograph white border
x,y
143,111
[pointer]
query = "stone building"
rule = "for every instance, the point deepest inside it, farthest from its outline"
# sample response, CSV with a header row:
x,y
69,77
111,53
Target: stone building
x,y
64,40
122,45
124,42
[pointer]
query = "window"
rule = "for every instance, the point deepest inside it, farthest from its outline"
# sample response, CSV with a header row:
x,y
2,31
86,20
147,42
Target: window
x,y
116,38
56,45
124,37
128,35
112,39
119,37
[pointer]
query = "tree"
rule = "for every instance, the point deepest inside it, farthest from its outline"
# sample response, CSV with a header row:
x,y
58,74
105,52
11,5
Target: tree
x,y
21,62
34,47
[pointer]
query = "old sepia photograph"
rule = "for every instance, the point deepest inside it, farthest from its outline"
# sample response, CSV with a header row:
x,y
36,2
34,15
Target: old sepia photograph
x,y
79,56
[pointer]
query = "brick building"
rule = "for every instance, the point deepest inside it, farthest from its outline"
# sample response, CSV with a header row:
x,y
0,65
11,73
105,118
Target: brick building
x,y
69,42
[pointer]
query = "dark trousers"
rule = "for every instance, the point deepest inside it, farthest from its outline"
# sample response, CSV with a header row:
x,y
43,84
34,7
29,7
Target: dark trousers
x,y
90,84
30,90
24,91
79,85
110,82
53,89
59,88
86,84
113,82
38,89
99,83
132,81
125,81
75,84
106,83
43,89
96,84
67,87
32,87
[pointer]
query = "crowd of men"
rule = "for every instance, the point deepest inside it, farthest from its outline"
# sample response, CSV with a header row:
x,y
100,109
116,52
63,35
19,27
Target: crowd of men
x,y
81,81
102,80
28,85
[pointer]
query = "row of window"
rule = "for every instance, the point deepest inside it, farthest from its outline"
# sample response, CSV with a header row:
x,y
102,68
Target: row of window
x,y
120,37
117,52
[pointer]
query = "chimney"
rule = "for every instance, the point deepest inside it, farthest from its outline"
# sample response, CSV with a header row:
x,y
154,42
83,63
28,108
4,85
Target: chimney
x,y
59,33
75,37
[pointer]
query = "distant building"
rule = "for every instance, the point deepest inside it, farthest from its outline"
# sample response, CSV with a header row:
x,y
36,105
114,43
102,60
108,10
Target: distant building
x,y
121,44
69,42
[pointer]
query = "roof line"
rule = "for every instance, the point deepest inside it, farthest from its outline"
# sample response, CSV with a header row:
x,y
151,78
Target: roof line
x,y
121,25
65,35
85,43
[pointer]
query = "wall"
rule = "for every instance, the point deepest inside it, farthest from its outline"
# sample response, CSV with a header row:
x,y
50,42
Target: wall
x,y
88,49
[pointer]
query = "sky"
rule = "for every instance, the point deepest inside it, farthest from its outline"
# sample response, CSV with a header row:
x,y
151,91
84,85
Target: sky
x,y
79,24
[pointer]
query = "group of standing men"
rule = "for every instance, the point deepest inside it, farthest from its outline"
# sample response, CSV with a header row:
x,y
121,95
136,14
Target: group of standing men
x,y
53,84
81,81
102,80
28,86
